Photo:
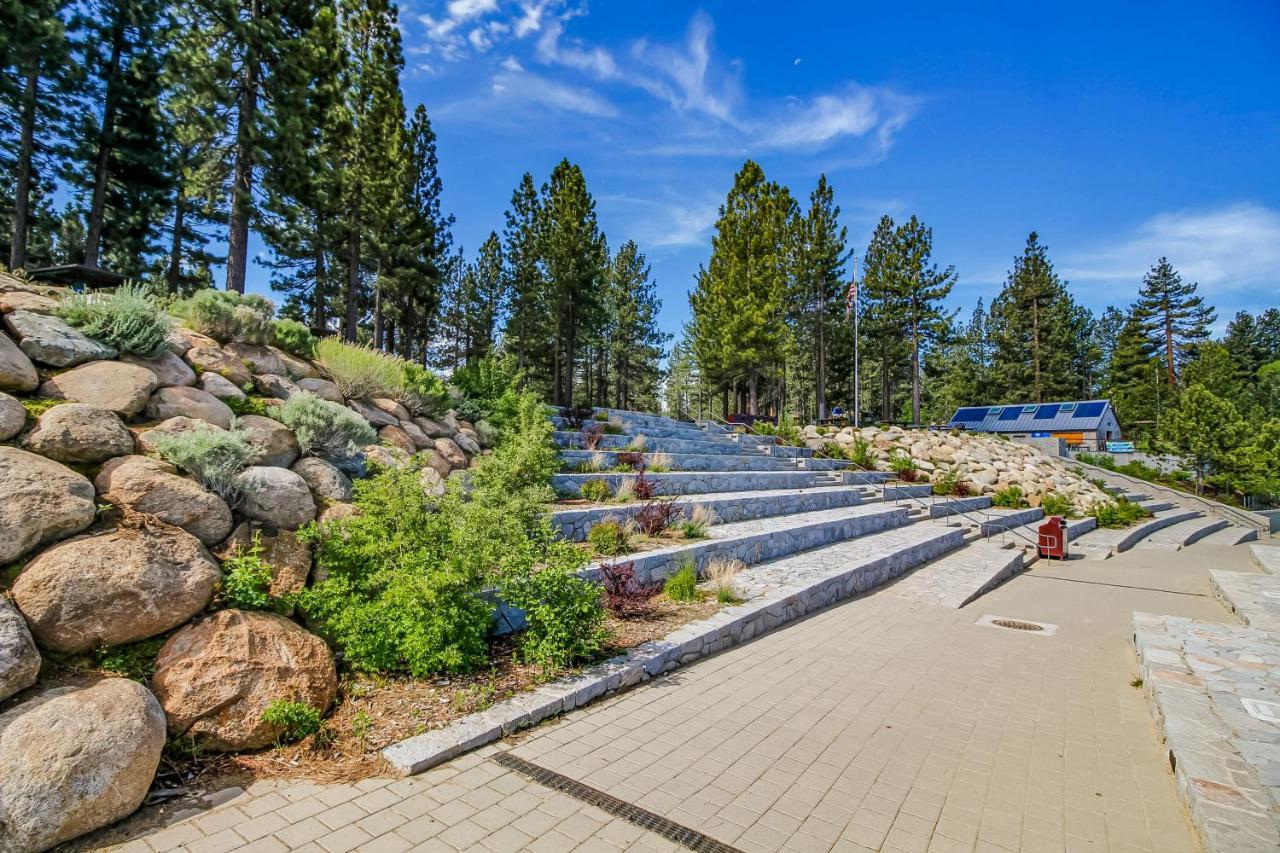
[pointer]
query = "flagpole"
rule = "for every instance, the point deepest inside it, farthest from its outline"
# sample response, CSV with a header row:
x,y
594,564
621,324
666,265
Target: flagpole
x,y
857,384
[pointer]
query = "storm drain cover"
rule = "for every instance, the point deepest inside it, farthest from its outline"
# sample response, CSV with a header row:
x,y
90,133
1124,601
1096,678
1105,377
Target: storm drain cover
x,y
1010,623
1268,712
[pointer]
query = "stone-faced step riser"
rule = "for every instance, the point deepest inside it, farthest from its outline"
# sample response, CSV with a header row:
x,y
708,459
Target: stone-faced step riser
x,y
900,491
702,447
1010,520
955,506
691,433
697,482
575,459
573,524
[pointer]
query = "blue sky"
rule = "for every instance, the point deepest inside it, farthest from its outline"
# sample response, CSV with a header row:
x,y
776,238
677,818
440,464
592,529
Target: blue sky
x,y
1119,133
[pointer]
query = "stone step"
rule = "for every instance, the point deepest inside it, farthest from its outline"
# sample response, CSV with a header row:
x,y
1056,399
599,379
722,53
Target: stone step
x,y
1004,518
961,576
705,482
574,441
1254,598
1267,556
703,462
685,431
940,507
730,507
1231,535
1105,541
1184,533
1158,505
1201,679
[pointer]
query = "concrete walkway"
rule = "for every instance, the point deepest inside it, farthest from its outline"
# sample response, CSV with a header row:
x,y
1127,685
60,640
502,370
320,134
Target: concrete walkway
x,y
880,724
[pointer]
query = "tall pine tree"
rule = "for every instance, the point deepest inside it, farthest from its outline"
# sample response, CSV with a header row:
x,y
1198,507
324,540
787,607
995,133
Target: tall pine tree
x,y
1173,316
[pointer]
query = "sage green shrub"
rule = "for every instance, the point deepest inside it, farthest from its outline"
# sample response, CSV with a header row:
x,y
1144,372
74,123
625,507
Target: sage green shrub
x,y
213,456
324,427
294,337
128,319
225,315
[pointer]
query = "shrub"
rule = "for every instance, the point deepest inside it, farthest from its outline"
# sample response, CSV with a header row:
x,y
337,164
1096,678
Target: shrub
x,y
249,405
1055,504
626,492
563,614
246,579
598,462
1138,470
213,456
225,315
1121,512
683,585
422,392
787,432
644,488
1181,476
360,372
860,454
591,436
324,427
600,416
947,482
695,526
595,491
901,463
128,319
613,426
610,537
294,337
658,463
485,389
962,489
720,572
575,416
630,459
1101,460
637,444
1010,497
624,594
656,516
295,719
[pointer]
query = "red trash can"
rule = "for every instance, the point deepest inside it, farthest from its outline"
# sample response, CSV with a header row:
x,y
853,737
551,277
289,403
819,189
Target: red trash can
x,y
1053,538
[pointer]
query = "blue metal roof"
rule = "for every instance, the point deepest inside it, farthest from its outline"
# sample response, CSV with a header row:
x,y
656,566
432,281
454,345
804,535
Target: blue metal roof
x,y
1077,416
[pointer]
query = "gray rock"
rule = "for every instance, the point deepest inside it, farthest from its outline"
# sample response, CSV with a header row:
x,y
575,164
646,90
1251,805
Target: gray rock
x,y
322,388
173,426
77,432
451,452
375,416
13,416
273,385
434,429
48,340
391,407
421,440
324,480
467,442
219,386
295,367
432,482
76,759
17,373
112,588
19,659
396,437
191,403
450,420
275,442
275,496
114,385
152,487
43,502
387,457
168,368
259,358
213,359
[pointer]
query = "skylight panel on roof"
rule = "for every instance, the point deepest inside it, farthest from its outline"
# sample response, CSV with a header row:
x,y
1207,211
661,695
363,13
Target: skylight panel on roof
x,y
1089,410
1045,412
1010,413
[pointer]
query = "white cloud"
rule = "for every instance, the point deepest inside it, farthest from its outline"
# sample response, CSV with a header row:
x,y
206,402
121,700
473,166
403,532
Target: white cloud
x,y
1229,250
668,221
465,10
596,61
530,20
536,89
855,111
685,73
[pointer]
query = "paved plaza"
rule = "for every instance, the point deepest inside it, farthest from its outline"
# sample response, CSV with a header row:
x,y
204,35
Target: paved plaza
x,y
883,723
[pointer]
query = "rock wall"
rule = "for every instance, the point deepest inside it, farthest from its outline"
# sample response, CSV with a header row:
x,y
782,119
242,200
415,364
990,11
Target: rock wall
x,y
986,464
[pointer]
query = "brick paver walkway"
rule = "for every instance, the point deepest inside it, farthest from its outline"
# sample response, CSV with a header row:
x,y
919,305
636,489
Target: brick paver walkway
x,y
880,724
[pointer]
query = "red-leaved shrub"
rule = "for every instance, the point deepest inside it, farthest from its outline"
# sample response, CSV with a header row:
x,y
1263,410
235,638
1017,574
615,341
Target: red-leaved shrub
x,y
623,593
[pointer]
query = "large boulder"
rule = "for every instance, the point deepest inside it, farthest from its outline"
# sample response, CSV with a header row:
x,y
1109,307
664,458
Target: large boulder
x,y
391,407
26,300
191,403
385,456
322,388
182,339
375,416
73,759
287,555
122,388
273,440
259,358
149,486
451,421
43,502
17,373
146,439
47,340
169,369
469,443
394,436
296,367
75,433
13,417
324,479
420,439
219,386
274,385
437,462
117,587
216,677
434,429
275,496
213,359
19,659
451,452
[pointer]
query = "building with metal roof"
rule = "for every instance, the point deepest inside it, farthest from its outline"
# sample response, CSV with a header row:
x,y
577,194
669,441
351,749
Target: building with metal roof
x,y
1083,422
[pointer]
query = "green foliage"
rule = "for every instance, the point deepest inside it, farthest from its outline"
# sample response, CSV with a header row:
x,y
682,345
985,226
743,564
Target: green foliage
x,y
947,482
485,388
360,372
901,463
1010,497
1203,429
421,391
251,405
612,429
294,337
786,431
610,537
1100,460
128,319
37,407
860,454
225,315
246,581
1055,504
213,456
595,490
135,660
1120,512
295,719
324,427
563,614
683,585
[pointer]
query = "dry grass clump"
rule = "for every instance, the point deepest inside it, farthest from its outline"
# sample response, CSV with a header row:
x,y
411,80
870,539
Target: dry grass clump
x,y
720,572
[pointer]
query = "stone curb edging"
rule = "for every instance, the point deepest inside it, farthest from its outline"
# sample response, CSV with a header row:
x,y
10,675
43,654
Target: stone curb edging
x,y
696,640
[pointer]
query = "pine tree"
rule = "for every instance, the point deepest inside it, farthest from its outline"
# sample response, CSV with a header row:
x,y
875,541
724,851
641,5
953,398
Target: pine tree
x,y
1133,380
818,286
634,344
484,300
1203,429
1173,316
923,287
883,306
527,332
965,363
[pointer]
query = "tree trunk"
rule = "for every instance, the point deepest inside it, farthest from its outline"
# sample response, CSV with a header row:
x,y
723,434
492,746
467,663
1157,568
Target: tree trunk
x,y
1168,344
915,373
353,281
753,380
22,179
378,323
1035,349
319,314
820,389
175,245
106,141
242,173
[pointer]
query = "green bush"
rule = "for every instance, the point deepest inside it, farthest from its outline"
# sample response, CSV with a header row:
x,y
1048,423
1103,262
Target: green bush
x,y
128,319
1010,497
246,581
1055,504
294,337
683,585
1140,471
213,456
250,405
324,427
902,464
1101,460
860,454
360,372
786,431
1120,512
421,391
947,482
595,490
610,537
295,719
484,388
225,315
563,614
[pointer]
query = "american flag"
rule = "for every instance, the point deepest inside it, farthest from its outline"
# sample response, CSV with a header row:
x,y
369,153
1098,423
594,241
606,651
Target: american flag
x,y
851,296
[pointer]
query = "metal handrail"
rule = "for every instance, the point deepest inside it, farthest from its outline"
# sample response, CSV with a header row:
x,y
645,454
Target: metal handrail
x,y
1242,517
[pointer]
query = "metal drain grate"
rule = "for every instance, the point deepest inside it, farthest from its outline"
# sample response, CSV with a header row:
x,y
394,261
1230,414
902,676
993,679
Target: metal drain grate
x,y
1017,625
682,835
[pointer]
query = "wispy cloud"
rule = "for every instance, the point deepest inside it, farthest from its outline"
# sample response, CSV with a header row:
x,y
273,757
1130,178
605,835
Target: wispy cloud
x,y
855,111
685,73
528,88
670,220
